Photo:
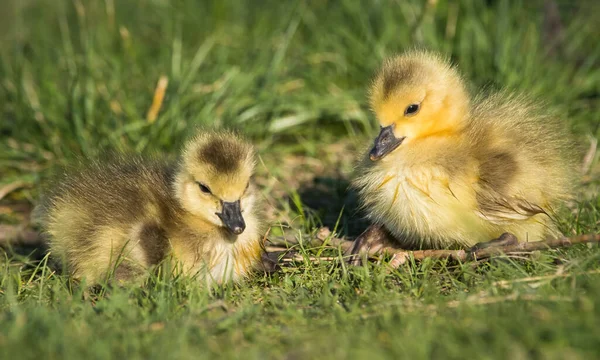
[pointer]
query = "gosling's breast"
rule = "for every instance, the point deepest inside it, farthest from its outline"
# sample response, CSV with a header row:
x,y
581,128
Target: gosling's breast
x,y
233,261
217,256
420,203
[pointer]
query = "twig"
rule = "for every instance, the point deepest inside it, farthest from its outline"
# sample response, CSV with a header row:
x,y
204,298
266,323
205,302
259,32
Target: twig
x,y
411,306
506,283
275,249
8,188
511,297
400,256
313,259
538,245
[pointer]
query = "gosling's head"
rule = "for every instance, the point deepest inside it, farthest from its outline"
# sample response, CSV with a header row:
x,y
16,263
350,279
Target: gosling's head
x,y
414,96
213,181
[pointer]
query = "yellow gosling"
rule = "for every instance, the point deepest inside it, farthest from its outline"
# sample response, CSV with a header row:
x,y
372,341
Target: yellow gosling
x,y
131,213
449,170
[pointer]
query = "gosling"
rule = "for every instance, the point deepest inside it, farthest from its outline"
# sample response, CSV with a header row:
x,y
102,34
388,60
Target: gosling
x,y
451,171
122,217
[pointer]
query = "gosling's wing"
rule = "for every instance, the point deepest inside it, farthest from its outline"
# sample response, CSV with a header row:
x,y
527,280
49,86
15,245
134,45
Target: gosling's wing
x,y
499,191
500,209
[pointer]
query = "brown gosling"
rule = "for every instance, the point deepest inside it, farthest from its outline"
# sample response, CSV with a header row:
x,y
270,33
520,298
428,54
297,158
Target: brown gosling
x,y
449,170
124,216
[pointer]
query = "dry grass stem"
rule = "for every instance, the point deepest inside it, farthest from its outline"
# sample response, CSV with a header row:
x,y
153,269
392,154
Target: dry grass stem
x,y
157,100
8,188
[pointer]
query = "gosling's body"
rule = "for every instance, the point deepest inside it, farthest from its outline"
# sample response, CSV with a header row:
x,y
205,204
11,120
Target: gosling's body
x,y
124,216
465,170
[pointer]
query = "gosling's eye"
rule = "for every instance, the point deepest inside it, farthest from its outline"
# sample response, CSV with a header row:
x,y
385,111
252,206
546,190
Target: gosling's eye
x,y
204,188
411,110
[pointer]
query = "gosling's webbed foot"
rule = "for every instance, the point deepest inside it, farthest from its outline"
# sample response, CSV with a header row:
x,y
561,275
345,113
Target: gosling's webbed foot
x,y
370,242
504,240
269,262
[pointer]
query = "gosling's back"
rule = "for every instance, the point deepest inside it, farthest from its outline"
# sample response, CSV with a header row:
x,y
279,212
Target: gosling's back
x,y
525,158
98,212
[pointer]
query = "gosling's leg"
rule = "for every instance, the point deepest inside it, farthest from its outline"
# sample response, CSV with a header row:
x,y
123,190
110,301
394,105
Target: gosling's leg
x,y
370,242
269,262
504,240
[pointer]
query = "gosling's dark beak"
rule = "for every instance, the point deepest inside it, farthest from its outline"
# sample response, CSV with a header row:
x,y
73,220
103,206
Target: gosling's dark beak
x,y
231,215
385,143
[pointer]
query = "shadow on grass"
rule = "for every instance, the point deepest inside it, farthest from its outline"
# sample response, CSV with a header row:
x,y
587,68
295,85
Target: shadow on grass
x,y
19,238
334,201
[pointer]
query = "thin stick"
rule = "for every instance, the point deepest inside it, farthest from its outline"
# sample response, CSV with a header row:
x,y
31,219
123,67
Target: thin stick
x,y
313,259
507,283
511,297
400,256
8,188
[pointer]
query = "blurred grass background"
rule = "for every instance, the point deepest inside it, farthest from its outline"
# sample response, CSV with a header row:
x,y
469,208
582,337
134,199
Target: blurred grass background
x,y
78,77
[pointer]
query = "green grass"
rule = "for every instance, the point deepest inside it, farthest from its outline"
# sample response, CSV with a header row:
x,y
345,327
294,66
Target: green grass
x,y
77,77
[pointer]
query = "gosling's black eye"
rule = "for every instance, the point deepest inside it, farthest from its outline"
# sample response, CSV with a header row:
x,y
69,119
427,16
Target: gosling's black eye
x,y
411,109
204,188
